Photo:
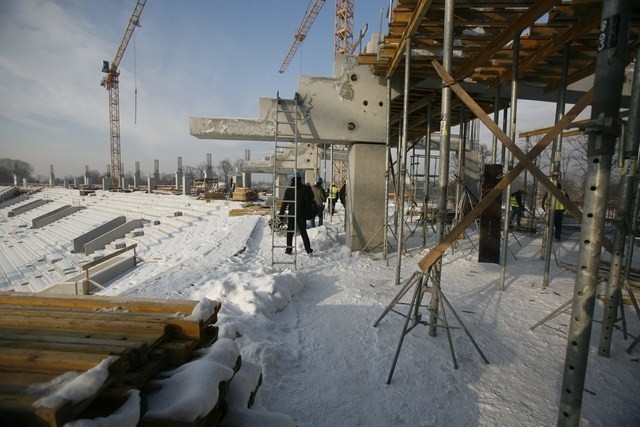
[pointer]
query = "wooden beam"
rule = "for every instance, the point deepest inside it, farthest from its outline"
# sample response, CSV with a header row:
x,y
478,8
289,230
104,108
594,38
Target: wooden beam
x,y
52,361
416,19
525,20
438,251
98,261
584,26
176,325
98,302
507,142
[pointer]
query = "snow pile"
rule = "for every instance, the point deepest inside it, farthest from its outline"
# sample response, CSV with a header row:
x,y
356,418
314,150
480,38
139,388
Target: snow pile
x,y
191,390
73,386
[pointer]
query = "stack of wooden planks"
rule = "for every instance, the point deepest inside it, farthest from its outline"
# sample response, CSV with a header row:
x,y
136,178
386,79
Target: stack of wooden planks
x,y
45,336
242,194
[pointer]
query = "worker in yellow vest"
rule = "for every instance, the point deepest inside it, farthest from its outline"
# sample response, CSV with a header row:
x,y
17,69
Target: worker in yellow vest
x,y
558,212
333,197
517,206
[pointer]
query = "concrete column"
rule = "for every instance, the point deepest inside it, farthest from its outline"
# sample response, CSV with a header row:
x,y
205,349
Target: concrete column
x,y
123,183
246,176
151,183
65,183
136,176
186,185
106,183
365,197
24,182
156,171
179,173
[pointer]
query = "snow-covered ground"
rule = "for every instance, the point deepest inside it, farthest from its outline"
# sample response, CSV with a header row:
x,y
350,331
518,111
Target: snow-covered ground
x,y
310,332
324,364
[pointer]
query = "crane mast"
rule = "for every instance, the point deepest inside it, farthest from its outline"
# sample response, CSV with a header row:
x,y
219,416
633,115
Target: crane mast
x,y
344,26
111,83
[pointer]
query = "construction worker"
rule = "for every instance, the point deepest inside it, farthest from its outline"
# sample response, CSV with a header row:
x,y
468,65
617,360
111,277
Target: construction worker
x,y
342,194
295,210
319,196
558,212
517,206
333,197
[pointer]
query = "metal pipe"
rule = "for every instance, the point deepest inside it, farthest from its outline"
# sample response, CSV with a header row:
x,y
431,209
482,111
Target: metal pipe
x,y
387,162
331,178
504,129
445,143
556,159
461,149
632,235
610,65
525,203
427,174
402,159
496,119
622,221
512,135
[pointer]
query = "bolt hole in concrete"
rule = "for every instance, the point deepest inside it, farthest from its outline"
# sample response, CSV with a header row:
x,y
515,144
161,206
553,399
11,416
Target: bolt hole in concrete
x,y
351,126
354,77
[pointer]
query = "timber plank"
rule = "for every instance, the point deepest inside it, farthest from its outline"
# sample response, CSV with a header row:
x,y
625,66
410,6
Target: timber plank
x,y
98,301
134,356
15,379
178,351
178,325
17,321
149,338
53,361
44,337
17,403
139,377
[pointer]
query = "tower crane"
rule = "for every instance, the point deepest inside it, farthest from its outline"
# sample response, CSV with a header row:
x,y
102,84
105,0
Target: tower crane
x,y
111,83
343,28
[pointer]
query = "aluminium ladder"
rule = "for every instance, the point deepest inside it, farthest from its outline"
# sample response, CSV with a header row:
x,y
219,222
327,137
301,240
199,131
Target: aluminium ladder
x,y
285,163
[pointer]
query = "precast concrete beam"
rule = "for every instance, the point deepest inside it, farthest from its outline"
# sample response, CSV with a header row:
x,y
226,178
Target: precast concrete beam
x,y
309,156
346,108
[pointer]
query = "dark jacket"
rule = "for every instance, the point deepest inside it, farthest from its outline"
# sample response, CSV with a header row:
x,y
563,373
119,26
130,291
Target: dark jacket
x,y
319,195
288,200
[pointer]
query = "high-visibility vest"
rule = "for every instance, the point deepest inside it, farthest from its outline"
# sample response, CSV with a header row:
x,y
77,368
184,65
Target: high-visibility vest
x,y
333,192
514,202
559,205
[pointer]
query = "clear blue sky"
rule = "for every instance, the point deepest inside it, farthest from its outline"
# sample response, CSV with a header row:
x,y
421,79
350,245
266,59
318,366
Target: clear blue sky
x,y
201,58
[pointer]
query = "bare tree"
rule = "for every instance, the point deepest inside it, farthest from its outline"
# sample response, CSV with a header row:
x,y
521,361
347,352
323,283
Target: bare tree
x,y
225,168
9,167
190,171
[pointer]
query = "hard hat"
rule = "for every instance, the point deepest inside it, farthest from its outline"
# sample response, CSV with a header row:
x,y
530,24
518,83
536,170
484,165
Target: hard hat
x,y
318,180
296,175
